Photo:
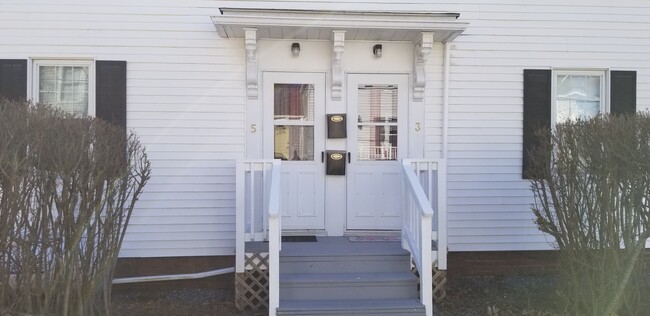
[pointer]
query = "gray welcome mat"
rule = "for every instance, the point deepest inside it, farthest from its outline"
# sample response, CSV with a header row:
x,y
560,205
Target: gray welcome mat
x,y
374,238
299,239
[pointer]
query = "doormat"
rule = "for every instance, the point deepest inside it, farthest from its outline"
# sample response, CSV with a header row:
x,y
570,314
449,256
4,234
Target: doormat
x,y
299,239
374,238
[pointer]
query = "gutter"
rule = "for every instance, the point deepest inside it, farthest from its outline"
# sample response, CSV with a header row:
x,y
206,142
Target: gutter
x,y
174,277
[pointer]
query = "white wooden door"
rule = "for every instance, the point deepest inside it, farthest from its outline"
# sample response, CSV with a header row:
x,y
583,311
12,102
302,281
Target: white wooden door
x,y
378,115
294,108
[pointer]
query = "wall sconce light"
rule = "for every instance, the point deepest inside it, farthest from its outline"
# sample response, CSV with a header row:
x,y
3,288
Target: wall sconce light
x,y
377,50
295,49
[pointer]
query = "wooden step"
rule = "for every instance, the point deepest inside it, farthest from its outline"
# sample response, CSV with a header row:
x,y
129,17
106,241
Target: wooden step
x,y
348,286
352,307
346,263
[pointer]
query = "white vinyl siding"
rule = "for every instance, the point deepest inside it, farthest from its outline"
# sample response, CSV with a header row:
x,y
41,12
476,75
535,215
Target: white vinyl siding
x,y
186,100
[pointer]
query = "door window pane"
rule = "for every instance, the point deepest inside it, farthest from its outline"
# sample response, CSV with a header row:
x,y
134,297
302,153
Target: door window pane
x,y
377,143
377,103
294,102
578,96
294,142
377,122
293,121
64,87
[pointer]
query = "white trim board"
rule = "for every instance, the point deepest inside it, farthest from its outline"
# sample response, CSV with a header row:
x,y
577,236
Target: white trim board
x,y
319,24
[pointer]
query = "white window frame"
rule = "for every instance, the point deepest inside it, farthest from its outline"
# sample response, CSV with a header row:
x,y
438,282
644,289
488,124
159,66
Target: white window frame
x,y
604,88
34,80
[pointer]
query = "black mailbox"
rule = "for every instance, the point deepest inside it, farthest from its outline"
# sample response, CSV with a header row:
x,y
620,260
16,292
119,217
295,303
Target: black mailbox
x,y
335,164
336,126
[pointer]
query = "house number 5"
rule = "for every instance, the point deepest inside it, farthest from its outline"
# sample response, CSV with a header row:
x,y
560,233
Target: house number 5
x,y
253,128
417,127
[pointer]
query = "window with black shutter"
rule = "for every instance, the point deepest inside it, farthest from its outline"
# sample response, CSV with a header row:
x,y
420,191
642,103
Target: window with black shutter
x,y
576,94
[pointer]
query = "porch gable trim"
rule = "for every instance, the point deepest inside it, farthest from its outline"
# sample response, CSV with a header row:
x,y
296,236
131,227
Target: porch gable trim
x,y
319,24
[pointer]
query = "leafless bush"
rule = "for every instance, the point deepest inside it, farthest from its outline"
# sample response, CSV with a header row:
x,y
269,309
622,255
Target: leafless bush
x,y
591,186
67,189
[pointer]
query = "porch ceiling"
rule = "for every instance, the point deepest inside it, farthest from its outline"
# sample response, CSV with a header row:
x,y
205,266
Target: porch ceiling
x,y
319,24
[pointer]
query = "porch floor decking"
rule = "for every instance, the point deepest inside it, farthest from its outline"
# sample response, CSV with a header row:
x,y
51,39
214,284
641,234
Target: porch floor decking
x,y
334,246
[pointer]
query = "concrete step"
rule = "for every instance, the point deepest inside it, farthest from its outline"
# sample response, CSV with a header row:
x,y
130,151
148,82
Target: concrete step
x,y
348,286
351,307
344,263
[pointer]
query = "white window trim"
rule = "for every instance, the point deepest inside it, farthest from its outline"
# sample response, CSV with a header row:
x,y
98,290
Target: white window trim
x,y
33,85
604,88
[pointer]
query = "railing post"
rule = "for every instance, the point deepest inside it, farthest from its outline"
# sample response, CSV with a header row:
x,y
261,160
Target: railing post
x,y
426,275
275,238
442,215
240,217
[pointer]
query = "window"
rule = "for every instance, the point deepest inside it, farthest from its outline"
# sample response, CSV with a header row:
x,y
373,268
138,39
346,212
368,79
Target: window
x,y
294,121
377,122
65,84
578,95
552,97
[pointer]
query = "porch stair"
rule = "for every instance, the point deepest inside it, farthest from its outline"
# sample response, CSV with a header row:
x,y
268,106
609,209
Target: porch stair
x,y
335,276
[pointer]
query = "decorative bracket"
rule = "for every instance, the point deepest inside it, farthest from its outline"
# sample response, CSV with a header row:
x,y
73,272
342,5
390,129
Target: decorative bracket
x,y
338,43
250,41
423,48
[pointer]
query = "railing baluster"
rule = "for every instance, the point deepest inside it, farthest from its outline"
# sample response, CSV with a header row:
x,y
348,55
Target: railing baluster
x,y
265,183
253,195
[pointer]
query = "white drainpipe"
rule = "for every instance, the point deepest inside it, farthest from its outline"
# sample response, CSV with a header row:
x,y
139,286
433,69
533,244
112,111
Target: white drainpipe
x,y
445,100
174,277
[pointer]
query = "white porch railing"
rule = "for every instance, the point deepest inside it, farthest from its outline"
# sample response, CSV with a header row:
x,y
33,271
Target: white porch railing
x,y
258,217
423,182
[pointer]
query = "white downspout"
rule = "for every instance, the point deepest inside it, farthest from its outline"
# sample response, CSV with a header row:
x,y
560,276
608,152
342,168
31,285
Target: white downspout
x,y
445,99
174,277
442,198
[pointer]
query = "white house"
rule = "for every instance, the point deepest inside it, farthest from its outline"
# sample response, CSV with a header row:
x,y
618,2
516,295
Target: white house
x,y
322,85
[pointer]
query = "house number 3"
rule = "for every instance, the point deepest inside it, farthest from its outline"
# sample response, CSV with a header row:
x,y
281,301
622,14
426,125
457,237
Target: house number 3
x,y
417,127
253,128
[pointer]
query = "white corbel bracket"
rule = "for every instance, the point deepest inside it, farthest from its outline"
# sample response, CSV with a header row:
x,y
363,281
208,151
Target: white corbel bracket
x,y
423,47
250,41
338,43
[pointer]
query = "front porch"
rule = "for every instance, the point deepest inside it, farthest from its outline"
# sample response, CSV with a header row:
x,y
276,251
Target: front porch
x,y
341,274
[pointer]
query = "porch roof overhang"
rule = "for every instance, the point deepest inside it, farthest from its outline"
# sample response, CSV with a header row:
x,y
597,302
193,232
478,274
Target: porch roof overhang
x,y
320,24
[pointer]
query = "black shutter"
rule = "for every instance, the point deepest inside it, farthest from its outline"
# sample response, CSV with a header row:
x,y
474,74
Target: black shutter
x,y
537,109
623,92
13,78
110,91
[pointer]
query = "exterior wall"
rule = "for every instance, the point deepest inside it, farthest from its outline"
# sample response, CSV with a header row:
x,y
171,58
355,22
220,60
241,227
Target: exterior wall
x,y
186,101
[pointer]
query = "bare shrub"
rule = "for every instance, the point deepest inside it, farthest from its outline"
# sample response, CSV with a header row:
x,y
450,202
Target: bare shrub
x,y
592,189
68,186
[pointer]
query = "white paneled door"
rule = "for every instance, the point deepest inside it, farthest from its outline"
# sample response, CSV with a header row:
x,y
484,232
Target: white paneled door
x,y
378,115
295,132
294,107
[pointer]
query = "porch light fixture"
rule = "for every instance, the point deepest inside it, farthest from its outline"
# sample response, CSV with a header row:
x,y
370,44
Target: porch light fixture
x,y
295,49
376,50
